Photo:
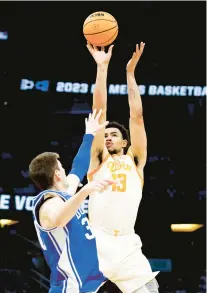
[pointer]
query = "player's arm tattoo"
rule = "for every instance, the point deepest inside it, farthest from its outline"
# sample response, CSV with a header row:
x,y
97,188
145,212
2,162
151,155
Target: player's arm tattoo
x,y
132,94
135,101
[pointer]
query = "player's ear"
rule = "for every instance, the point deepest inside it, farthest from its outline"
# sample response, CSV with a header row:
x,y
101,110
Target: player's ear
x,y
57,175
124,143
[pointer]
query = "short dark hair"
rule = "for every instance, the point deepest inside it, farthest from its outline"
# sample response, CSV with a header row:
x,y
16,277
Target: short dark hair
x,y
124,132
42,169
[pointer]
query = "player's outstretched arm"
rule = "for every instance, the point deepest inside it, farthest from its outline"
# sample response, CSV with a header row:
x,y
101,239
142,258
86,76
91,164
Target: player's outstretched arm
x,y
82,159
136,122
57,213
102,60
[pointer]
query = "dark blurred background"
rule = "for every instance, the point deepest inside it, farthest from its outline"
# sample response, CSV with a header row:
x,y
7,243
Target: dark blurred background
x,y
46,76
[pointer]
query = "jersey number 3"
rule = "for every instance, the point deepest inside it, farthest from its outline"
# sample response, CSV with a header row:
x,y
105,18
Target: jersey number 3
x,y
121,186
85,223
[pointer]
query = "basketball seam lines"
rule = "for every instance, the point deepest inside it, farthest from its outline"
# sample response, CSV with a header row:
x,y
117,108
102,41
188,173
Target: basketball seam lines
x,y
107,40
100,32
100,19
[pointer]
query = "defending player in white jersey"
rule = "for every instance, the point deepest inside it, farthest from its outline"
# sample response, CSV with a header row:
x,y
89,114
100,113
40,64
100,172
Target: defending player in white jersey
x,y
113,213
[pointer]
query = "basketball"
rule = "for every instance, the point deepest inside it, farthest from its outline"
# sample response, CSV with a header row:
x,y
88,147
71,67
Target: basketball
x,y
100,28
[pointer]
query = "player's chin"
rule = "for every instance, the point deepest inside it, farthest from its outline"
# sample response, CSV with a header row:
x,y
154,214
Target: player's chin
x,y
112,151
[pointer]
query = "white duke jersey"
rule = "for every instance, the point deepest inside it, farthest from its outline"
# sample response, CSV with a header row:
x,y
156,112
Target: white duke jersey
x,y
115,209
70,251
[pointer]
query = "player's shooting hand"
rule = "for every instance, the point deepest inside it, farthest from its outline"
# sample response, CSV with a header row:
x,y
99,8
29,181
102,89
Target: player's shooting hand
x,y
100,56
92,123
135,58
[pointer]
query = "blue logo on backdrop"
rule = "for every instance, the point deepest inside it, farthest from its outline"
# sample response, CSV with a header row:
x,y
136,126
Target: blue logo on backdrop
x,y
42,85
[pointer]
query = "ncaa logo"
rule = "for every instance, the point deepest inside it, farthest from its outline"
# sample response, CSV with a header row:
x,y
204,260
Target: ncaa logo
x,y
27,84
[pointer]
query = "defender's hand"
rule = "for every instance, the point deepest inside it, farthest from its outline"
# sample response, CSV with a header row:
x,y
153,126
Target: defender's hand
x,y
92,123
98,185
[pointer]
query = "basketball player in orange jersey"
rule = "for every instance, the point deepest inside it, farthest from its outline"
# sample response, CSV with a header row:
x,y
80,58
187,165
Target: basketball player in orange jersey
x,y
113,213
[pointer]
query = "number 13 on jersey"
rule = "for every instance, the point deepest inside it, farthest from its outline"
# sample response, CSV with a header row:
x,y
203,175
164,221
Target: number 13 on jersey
x,y
121,185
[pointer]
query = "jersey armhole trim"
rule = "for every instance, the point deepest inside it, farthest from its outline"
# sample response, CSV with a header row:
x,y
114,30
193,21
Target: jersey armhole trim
x,y
44,229
90,175
138,172
34,211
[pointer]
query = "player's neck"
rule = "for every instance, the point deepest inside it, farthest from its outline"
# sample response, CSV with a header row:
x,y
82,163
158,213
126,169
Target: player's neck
x,y
59,186
120,153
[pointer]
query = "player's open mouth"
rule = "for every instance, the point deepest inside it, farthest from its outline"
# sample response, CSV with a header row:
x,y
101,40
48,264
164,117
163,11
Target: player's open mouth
x,y
108,145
